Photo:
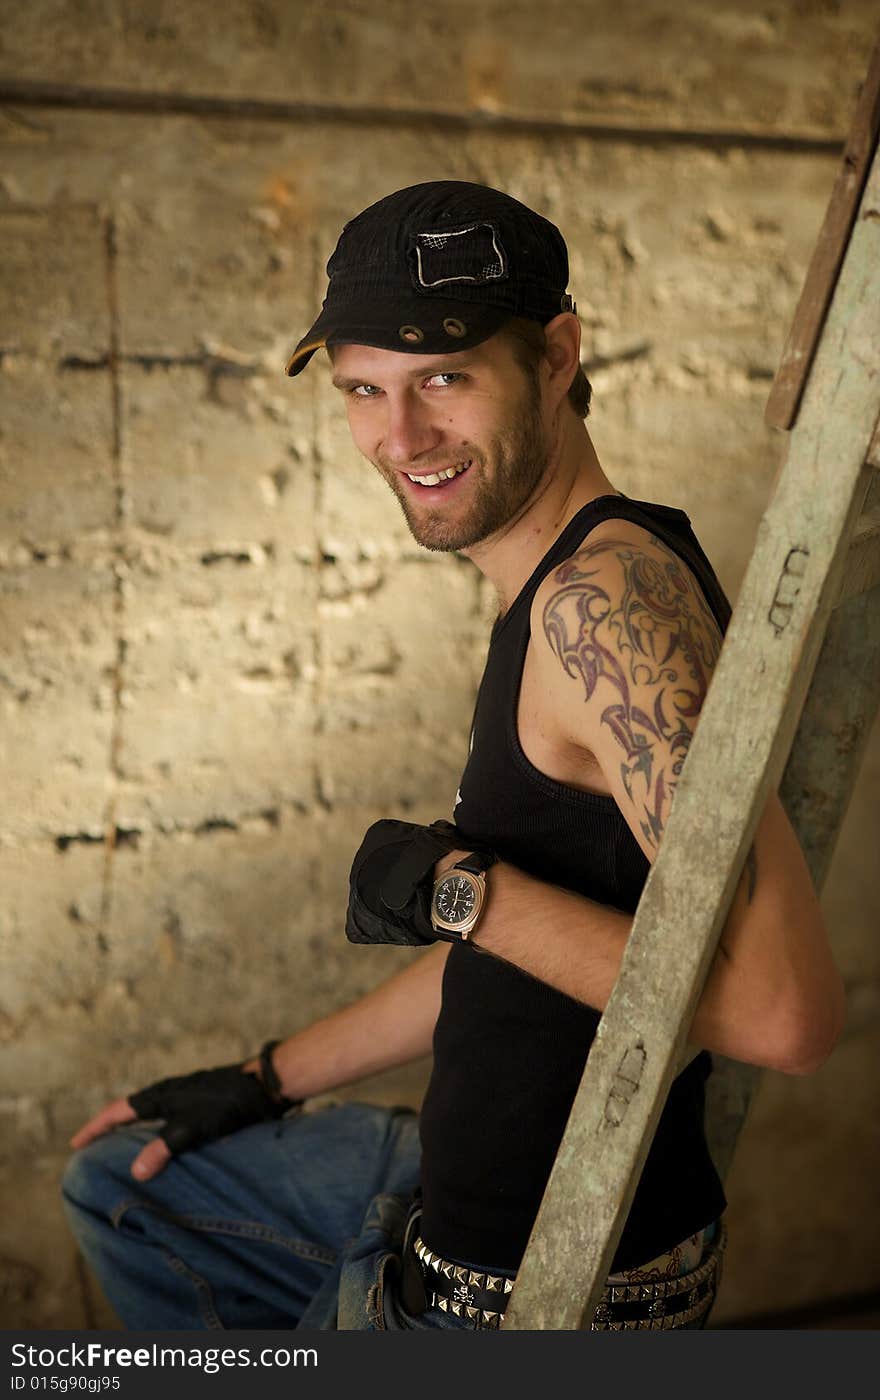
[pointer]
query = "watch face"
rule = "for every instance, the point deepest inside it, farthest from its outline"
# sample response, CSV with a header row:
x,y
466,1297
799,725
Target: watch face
x,y
456,898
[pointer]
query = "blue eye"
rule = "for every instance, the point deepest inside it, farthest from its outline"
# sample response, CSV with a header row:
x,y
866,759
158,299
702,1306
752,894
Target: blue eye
x,y
366,391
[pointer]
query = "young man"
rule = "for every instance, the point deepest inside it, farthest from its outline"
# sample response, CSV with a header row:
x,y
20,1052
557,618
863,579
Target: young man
x,y
455,346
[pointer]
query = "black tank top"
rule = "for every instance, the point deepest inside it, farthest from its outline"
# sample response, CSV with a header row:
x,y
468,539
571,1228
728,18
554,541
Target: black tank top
x,y
509,1051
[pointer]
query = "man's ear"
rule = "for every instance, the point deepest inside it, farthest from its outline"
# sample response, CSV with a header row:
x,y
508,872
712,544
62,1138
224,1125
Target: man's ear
x,y
562,352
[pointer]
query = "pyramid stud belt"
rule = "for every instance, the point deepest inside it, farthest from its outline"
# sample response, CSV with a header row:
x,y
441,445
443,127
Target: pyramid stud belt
x,y
481,1298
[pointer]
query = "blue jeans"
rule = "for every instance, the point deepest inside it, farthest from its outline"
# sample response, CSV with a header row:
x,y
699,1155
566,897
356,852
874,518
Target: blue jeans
x,y
297,1223
282,1225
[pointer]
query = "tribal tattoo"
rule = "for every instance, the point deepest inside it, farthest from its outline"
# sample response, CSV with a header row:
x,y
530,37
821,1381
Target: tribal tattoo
x,y
660,634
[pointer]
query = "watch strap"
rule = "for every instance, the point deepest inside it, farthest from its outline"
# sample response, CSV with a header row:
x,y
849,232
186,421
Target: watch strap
x,y
477,863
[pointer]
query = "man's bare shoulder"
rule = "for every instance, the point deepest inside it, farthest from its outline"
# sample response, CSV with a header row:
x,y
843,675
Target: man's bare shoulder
x,y
626,577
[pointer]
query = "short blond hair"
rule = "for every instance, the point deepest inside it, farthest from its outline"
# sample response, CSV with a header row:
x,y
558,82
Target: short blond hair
x,y
530,343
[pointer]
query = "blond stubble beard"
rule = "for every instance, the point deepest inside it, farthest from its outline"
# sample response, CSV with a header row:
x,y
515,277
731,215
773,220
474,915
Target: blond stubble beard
x,y
520,457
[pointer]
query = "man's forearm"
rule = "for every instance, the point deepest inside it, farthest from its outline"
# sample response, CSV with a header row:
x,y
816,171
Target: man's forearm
x,y
390,1026
772,997
577,946
559,937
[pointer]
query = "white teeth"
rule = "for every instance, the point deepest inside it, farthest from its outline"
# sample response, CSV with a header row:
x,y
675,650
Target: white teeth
x,y
436,477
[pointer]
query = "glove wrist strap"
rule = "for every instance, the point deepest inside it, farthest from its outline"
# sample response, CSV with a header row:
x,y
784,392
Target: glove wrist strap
x,y
269,1076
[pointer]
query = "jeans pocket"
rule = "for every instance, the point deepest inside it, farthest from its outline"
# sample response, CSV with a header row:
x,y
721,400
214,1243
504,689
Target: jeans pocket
x,y
365,1268
369,1288
386,1266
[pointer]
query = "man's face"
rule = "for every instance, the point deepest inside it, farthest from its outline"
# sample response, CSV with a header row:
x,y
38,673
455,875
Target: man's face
x,y
467,426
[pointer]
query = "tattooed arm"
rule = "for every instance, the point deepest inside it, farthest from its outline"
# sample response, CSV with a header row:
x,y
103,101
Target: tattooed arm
x,y
628,624
624,648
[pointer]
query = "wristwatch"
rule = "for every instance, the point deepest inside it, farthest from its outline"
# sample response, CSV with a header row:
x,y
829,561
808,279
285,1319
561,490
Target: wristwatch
x,y
459,896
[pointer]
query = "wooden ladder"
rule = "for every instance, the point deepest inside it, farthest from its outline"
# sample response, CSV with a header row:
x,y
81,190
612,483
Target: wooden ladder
x,y
798,679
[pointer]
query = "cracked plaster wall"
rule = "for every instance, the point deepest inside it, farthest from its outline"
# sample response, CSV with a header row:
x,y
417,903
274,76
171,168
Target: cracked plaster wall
x,y
221,655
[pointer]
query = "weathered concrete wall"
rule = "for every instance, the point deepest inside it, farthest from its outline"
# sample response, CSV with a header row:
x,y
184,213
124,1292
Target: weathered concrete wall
x,y
739,65
220,647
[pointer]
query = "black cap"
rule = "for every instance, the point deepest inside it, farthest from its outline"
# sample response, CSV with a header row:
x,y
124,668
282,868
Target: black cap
x,y
435,267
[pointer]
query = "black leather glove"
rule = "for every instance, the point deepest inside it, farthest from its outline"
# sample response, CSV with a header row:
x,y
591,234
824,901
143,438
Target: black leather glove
x,y
208,1104
391,882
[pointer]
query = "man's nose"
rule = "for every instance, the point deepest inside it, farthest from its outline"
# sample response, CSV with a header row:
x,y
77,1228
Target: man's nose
x,y
409,431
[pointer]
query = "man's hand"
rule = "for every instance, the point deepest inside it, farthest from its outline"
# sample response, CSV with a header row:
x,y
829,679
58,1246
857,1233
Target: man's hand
x,y
391,882
196,1108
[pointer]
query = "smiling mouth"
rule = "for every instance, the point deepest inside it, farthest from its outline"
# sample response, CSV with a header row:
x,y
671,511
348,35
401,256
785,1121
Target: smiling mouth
x,y
438,478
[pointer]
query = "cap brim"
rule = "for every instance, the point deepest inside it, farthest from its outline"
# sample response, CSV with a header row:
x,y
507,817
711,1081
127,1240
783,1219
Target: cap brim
x,y
302,354
444,326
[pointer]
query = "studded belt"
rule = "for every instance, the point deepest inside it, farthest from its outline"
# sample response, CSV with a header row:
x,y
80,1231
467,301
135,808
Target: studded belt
x,y
481,1297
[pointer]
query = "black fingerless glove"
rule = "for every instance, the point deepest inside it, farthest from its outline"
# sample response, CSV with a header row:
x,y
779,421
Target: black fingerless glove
x,y
391,882
208,1104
